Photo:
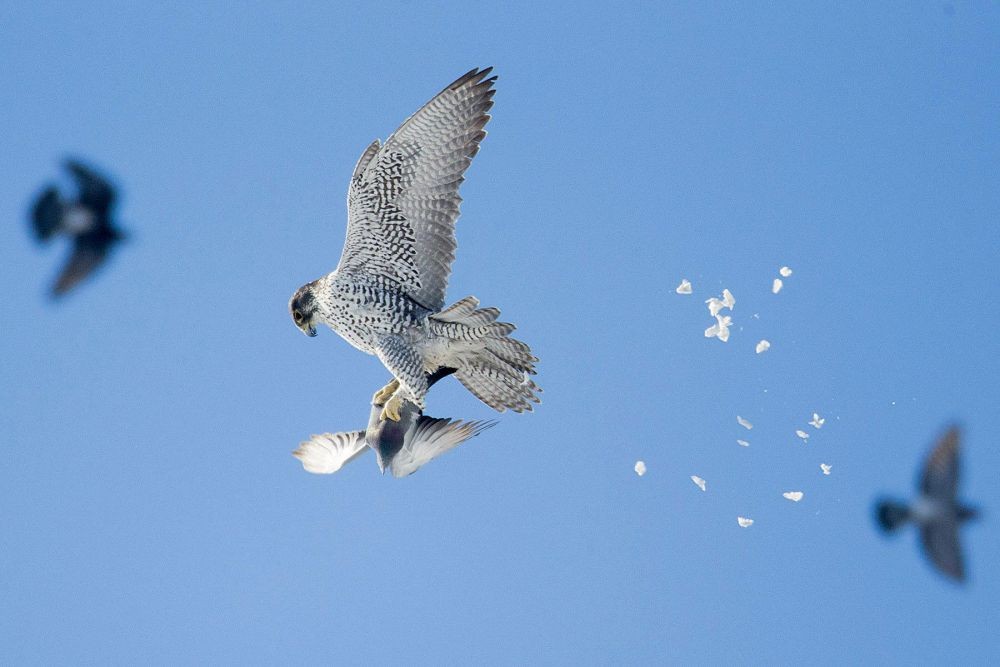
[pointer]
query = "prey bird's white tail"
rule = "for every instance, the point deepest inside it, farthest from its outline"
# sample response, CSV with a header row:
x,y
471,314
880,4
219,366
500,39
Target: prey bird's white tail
x,y
496,368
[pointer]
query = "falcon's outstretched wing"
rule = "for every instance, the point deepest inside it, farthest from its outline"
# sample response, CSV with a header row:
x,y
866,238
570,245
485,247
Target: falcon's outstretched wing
x,y
940,474
403,200
329,452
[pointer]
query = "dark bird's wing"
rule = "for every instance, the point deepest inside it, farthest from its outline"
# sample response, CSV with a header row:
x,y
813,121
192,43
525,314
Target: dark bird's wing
x,y
88,254
939,479
96,193
47,214
329,452
432,438
403,200
940,540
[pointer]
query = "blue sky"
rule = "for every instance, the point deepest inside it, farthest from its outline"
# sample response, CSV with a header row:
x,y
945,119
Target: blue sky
x,y
149,506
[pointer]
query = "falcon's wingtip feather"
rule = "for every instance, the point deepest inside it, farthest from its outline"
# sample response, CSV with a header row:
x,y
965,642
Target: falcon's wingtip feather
x,y
476,75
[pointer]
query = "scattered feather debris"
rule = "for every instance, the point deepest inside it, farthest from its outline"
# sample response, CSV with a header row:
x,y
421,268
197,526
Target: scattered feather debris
x,y
785,271
744,522
715,304
640,468
794,496
802,434
699,482
743,422
742,443
825,468
817,421
777,285
763,346
684,287
720,329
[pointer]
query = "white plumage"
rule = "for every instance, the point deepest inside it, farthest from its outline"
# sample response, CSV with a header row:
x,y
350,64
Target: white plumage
x,y
387,293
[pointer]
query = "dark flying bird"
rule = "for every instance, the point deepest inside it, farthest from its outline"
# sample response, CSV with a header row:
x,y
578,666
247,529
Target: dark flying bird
x,y
401,446
936,512
386,296
87,219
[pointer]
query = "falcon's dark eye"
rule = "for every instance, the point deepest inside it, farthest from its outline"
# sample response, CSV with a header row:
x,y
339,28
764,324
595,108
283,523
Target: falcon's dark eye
x,y
298,317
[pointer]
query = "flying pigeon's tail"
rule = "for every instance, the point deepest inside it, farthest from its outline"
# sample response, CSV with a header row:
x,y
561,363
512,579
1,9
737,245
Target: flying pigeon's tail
x,y
496,368
47,214
890,515
328,452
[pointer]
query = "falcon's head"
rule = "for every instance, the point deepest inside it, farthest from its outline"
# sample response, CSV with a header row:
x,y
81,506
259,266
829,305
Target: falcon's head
x,y
303,309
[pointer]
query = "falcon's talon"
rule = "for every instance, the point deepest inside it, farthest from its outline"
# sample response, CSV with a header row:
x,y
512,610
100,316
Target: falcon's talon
x,y
391,409
383,394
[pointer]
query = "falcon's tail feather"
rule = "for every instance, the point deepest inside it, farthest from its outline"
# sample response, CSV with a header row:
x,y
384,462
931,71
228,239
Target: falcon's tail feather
x,y
493,366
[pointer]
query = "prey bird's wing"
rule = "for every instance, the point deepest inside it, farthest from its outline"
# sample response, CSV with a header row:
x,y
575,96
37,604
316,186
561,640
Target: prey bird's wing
x,y
96,192
432,438
940,474
940,540
403,200
329,452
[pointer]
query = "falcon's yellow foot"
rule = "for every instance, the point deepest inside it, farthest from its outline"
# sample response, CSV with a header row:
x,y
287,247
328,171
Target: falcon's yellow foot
x,y
391,409
383,394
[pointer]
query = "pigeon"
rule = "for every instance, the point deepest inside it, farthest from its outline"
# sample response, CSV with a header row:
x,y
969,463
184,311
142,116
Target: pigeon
x,y
86,219
937,512
402,447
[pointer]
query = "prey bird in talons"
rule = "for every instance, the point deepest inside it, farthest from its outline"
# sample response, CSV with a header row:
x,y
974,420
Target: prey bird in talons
x,y
86,219
401,447
386,296
937,512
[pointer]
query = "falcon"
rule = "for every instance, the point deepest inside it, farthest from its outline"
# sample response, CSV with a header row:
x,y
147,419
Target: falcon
x,y
402,447
386,296
86,219
936,511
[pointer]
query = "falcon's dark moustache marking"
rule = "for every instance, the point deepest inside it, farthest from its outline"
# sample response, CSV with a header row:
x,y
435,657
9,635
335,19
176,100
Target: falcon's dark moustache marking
x,y
304,301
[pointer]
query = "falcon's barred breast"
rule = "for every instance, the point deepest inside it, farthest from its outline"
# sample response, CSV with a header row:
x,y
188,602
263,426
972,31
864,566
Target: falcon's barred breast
x,y
387,293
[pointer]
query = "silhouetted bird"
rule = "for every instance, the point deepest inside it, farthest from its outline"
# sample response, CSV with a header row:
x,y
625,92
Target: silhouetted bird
x,y
936,512
401,446
87,219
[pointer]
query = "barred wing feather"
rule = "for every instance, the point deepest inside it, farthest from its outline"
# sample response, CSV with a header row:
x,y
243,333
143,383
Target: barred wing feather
x,y
403,200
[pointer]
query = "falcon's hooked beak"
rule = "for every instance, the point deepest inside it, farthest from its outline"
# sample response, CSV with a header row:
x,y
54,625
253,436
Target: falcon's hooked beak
x,y
303,307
